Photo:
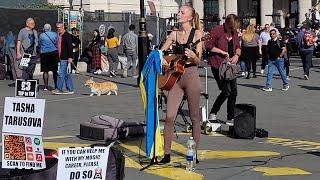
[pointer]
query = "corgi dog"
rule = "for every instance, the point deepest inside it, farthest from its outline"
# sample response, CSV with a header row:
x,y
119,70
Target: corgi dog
x,y
101,88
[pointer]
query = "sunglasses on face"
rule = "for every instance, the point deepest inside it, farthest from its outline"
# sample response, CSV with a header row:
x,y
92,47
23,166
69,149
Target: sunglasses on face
x,y
272,33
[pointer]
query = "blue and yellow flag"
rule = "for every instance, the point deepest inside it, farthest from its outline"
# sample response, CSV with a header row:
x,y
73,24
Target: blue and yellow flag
x,y
149,93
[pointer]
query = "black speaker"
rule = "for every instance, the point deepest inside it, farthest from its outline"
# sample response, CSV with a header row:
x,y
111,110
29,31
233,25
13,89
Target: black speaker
x,y
244,121
249,108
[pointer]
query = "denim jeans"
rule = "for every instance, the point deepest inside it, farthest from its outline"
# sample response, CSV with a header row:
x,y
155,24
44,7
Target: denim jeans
x,y
64,76
242,66
279,64
306,60
132,60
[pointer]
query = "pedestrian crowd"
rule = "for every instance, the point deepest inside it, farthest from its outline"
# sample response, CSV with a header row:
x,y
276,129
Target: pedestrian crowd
x,y
59,52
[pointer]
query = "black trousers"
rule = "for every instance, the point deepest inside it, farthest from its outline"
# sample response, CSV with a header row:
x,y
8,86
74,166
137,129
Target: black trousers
x,y
228,91
264,57
75,60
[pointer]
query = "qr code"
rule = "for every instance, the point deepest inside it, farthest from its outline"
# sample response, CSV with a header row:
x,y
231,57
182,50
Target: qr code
x,y
14,147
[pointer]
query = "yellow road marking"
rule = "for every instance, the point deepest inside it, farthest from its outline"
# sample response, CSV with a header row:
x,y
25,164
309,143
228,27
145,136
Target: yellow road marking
x,y
208,154
179,173
280,171
299,144
167,172
130,163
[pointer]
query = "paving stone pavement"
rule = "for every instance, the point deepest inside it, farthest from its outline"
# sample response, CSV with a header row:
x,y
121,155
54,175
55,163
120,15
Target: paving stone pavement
x,y
291,117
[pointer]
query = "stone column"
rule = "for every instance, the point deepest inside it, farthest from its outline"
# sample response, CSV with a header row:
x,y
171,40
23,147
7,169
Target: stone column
x,y
304,6
232,7
266,8
198,7
221,10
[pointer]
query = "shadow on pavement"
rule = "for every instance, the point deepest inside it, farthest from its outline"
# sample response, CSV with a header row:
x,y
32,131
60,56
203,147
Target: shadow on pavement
x,y
254,86
315,88
315,153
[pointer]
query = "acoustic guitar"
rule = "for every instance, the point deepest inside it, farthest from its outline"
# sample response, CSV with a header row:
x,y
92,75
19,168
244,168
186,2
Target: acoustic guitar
x,y
175,68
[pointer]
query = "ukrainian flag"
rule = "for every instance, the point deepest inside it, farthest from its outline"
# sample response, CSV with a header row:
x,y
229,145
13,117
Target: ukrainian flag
x,y
149,93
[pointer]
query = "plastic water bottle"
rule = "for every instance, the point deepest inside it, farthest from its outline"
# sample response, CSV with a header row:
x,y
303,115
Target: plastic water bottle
x,y
191,155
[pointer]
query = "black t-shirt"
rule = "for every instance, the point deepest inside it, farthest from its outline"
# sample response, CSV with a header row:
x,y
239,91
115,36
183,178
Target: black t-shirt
x,y
275,49
230,48
75,42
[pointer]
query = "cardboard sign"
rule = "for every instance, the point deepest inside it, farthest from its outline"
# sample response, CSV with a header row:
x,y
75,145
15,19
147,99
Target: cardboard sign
x,y
22,151
23,116
82,163
26,88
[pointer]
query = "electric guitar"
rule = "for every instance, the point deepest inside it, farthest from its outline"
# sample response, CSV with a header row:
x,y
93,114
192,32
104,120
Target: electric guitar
x,y
175,68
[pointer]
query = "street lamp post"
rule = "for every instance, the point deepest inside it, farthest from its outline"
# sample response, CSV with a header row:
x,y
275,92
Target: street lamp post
x,y
142,39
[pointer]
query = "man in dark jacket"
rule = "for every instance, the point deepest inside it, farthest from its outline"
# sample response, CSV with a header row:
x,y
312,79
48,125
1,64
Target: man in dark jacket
x,y
276,51
65,56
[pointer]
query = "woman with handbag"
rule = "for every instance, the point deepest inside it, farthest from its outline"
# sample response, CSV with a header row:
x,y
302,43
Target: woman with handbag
x,y
96,53
224,43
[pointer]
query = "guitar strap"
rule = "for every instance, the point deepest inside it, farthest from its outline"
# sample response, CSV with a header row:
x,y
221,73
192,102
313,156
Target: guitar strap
x,y
191,35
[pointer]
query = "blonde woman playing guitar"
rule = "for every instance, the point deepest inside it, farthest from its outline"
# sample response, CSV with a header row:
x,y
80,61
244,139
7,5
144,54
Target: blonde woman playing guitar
x,y
189,82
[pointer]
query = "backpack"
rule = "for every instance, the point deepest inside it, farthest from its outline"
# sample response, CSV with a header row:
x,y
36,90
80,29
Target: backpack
x,y
308,40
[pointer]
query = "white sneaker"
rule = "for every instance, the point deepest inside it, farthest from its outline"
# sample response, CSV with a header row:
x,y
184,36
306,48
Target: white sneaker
x,y
262,71
230,122
288,78
306,77
285,88
268,89
212,117
243,74
97,72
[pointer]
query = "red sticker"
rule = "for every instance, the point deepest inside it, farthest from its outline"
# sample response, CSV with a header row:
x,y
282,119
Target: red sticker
x,y
39,157
29,149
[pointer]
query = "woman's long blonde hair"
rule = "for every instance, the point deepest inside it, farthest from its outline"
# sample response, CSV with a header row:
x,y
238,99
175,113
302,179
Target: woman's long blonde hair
x,y
249,34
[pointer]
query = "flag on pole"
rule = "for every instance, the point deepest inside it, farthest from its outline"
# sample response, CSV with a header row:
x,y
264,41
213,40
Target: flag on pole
x,y
149,93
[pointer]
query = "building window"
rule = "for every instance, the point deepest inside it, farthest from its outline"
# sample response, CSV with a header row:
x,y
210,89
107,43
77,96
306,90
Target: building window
x,y
211,13
294,7
211,8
